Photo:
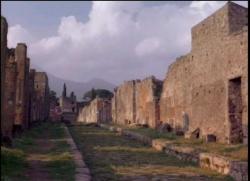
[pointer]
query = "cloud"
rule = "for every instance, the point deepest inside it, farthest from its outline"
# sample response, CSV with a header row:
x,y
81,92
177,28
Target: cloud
x,y
17,34
120,40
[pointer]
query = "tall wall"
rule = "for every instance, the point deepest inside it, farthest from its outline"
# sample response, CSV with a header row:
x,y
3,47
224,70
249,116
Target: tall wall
x,y
4,31
198,83
137,101
123,103
32,100
10,92
21,56
98,111
147,101
41,85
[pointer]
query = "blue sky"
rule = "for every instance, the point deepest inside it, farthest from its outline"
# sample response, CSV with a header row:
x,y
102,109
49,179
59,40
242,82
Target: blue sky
x,y
115,41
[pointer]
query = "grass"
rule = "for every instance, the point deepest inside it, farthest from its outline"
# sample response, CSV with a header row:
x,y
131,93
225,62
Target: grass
x,y
46,143
234,152
112,157
13,164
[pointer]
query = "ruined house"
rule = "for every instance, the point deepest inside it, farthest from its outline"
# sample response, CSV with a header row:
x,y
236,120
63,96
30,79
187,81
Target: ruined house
x,y
147,101
123,103
68,105
137,102
41,85
98,111
209,84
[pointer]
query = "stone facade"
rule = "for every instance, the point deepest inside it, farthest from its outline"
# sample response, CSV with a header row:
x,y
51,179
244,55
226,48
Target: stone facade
x,y
147,102
137,102
210,83
123,103
98,111
4,31
42,96
10,92
21,86
25,90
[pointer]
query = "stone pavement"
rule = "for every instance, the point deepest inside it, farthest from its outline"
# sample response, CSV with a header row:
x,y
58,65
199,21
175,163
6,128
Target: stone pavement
x,y
82,171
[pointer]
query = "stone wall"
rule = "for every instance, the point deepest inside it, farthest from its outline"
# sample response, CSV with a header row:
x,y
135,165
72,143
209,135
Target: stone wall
x,y
4,31
21,59
147,101
198,83
42,95
10,92
137,102
98,111
123,103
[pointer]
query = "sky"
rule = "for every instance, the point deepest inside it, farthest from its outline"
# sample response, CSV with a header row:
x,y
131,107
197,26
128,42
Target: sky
x,y
113,41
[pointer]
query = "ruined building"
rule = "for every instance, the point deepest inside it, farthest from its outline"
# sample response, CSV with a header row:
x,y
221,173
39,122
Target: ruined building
x,y
10,92
98,111
209,84
42,96
22,90
137,102
68,105
4,31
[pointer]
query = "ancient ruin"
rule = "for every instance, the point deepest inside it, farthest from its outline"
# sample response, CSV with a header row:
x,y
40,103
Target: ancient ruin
x,y
137,102
24,92
98,111
210,83
68,105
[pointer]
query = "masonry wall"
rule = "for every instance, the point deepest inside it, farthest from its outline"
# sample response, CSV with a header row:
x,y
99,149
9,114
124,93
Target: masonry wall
x,y
98,111
147,101
4,31
21,56
32,100
10,92
41,85
123,103
197,83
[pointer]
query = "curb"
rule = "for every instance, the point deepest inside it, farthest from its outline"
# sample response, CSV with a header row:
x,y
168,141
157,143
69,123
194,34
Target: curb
x,y
82,171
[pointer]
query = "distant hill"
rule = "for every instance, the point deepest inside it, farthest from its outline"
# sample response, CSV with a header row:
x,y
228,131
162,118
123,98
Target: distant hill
x,y
79,88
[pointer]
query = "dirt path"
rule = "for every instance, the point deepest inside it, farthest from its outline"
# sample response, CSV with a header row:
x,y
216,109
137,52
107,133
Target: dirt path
x,y
37,160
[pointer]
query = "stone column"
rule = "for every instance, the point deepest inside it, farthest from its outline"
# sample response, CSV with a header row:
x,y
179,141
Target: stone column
x,y
4,31
21,56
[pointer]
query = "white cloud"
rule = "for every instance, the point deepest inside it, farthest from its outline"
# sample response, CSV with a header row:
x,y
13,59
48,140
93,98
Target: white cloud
x,y
120,41
17,34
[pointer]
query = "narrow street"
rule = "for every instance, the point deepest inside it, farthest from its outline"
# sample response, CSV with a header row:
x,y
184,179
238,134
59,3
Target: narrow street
x,y
112,157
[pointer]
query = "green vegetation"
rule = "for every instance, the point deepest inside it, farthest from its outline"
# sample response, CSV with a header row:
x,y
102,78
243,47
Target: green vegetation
x,y
44,144
235,152
13,163
113,157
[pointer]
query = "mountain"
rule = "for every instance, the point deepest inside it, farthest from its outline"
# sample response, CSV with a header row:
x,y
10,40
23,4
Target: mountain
x,y
79,88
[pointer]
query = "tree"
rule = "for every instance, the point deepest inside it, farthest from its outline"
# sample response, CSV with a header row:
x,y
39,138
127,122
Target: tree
x,y
102,93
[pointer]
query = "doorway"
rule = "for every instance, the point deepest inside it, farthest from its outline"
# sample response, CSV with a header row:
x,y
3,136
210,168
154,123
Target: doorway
x,y
235,110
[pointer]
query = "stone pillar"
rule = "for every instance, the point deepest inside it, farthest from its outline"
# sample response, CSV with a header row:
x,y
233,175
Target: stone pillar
x,y
4,31
21,56
10,92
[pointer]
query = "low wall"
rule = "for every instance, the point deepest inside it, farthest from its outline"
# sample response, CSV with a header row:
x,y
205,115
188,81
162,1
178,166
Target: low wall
x,y
236,169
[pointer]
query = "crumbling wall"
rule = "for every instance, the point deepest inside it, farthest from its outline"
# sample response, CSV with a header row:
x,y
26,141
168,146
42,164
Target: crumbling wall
x,y
197,83
124,109
4,31
147,101
10,92
98,110
41,85
21,56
